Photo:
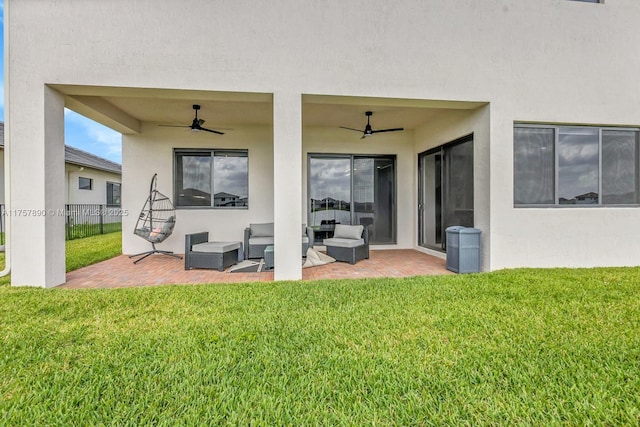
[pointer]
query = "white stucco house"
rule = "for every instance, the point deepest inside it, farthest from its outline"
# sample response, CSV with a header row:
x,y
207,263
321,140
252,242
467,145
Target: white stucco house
x,y
89,179
519,117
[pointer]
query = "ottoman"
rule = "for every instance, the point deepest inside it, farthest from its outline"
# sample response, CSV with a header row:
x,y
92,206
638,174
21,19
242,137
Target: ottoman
x,y
199,253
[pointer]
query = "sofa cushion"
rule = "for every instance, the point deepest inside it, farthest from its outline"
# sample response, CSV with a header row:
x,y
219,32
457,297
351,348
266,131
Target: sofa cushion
x,y
343,243
261,230
215,247
343,231
261,241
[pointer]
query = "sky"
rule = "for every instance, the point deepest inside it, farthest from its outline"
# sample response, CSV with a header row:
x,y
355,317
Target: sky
x,y
79,132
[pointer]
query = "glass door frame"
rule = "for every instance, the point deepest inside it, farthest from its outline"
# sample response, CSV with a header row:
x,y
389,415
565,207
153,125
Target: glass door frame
x,y
352,213
441,149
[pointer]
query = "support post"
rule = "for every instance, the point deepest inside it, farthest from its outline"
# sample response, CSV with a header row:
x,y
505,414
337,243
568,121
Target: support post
x,y
287,182
36,135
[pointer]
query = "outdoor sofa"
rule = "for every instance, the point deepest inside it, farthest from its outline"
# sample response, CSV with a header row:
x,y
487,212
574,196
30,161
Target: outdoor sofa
x,y
258,236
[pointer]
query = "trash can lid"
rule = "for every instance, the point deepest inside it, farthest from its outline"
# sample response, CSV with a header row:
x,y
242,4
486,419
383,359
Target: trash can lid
x,y
470,230
454,228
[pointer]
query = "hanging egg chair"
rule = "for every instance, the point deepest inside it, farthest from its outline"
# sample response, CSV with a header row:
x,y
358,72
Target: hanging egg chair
x,y
156,221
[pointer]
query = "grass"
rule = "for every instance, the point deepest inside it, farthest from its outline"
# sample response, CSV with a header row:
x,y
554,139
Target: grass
x,y
527,347
83,252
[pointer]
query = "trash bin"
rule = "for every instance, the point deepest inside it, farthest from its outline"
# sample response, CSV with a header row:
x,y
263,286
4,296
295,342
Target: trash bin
x,y
463,249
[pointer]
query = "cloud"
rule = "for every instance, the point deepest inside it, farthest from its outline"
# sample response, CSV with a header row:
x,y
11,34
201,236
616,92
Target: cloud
x,y
91,136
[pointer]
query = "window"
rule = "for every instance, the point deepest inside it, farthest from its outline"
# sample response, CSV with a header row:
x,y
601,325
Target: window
x,y
211,178
113,193
576,165
590,1
85,183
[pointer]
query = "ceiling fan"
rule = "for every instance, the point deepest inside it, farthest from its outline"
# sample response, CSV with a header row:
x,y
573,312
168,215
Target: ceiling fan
x,y
197,123
368,131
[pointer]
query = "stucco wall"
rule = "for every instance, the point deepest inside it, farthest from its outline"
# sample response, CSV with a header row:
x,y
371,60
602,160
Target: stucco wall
x,y
98,192
544,60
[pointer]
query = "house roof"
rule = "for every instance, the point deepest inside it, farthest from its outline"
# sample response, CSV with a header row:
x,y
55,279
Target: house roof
x,y
79,157
82,158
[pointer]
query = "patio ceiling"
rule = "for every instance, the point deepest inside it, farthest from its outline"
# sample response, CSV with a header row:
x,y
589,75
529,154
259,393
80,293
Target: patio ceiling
x,y
124,109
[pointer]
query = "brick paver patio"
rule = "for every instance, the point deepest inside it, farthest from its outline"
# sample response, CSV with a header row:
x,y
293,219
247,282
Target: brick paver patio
x,y
120,271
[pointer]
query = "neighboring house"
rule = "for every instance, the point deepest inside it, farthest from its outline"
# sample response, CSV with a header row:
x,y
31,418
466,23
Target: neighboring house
x,y
89,179
510,108
229,200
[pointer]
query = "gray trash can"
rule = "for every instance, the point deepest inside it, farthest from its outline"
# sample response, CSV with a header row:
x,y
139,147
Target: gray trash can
x,y
463,249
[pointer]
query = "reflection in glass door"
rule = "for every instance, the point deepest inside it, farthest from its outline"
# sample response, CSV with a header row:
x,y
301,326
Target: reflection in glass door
x,y
445,194
329,190
353,189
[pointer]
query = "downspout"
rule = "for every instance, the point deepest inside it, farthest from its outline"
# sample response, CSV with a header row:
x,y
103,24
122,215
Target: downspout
x,y
7,148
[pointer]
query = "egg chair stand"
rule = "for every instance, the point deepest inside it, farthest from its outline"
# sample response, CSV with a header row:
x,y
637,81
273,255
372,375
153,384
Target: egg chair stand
x,y
156,222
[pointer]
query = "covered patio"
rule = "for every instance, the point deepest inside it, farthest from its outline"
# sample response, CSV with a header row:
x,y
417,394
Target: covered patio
x,y
287,159
120,272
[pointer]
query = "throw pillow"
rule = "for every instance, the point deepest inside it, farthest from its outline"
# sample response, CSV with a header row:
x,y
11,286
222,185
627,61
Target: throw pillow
x,y
261,230
348,231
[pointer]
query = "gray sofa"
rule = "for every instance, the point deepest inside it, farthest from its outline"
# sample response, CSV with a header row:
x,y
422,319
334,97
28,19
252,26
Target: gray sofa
x,y
258,236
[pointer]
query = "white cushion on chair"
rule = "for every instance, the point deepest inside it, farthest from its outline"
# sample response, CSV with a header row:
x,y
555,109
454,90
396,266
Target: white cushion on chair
x,y
215,247
348,231
261,240
343,243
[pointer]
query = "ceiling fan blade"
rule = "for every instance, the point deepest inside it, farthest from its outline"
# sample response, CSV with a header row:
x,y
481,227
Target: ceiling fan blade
x,y
357,130
200,122
174,126
387,130
212,131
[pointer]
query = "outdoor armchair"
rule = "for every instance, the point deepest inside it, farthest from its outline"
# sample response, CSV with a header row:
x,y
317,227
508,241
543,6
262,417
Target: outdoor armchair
x,y
350,243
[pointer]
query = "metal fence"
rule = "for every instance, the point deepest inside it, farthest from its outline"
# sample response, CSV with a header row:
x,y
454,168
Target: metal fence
x,y
82,220
91,220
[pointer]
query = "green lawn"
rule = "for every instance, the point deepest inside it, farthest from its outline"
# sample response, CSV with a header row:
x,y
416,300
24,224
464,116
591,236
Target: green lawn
x,y
83,252
524,347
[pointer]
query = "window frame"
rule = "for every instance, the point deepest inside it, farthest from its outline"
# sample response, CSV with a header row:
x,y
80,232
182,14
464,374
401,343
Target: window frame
x,y
212,153
556,204
80,187
112,183
352,157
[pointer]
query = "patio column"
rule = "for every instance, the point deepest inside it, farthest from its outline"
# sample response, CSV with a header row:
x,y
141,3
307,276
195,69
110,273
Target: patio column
x,y
287,183
36,152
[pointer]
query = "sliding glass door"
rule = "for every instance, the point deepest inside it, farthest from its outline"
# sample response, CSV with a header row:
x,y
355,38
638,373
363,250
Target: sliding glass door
x,y
445,194
353,189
